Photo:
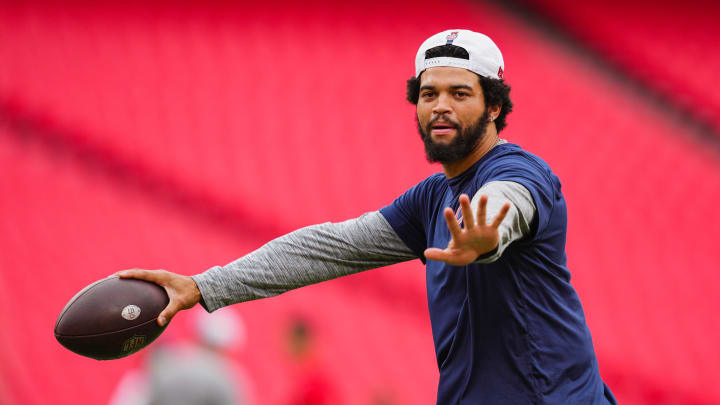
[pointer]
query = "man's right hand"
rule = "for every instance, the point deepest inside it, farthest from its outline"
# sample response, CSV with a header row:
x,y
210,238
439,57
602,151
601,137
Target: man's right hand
x,y
182,290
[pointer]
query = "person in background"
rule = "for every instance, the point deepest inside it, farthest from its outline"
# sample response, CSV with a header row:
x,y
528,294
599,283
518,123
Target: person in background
x,y
310,385
195,372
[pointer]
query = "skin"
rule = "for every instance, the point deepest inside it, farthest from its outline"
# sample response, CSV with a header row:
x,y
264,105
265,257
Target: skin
x,y
182,290
448,94
451,94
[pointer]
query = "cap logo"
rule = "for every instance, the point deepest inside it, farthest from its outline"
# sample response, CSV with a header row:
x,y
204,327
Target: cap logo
x,y
451,37
500,72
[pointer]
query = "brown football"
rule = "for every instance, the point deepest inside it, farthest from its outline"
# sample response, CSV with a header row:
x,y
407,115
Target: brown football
x,y
111,318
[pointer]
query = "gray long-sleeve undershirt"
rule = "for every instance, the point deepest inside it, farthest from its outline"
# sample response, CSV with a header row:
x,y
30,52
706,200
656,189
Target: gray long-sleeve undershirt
x,y
518,219
325,251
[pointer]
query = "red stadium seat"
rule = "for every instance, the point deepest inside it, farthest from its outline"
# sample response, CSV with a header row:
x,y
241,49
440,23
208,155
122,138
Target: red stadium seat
x,y
669,45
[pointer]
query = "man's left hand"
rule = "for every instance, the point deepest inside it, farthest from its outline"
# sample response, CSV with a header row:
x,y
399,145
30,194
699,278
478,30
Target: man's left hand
x,y
472,241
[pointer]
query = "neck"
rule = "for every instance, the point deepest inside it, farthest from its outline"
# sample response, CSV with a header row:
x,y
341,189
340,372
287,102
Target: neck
x,y
488,141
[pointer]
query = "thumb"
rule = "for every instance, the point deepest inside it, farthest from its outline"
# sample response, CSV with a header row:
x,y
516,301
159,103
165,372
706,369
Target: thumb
x,y
435,254
168,313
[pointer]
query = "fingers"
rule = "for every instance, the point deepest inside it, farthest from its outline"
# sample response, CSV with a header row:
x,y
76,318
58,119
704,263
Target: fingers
x,y
467,211
436,254
154,276
182,290
169,312
482,211
454,258
501,215
452,223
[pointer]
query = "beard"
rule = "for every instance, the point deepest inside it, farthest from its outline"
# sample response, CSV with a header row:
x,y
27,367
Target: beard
x,y
460,147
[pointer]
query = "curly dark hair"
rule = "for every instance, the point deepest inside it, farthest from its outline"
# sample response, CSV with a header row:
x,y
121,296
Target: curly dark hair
x,y
495,91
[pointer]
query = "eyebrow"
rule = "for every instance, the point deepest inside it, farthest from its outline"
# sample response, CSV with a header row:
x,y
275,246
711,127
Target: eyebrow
x,y
453,87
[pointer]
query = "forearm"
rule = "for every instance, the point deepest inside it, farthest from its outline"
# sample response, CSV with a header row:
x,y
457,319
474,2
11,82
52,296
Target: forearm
x,y
518,219
307,256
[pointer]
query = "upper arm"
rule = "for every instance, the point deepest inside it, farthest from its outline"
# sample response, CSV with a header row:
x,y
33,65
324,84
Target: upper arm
x,y
522,207
518,220
542,186
370,235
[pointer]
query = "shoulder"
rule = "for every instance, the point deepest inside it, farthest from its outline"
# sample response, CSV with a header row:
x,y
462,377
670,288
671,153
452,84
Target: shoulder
x,y
433,181
513,164
429,186
417,196
510,154
511,161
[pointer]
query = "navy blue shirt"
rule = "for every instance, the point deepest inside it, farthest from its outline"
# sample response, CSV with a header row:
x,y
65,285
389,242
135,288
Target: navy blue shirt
x,y
512,331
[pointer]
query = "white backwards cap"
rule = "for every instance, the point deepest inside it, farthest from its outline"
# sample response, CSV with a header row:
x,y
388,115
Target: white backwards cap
x,y
485,57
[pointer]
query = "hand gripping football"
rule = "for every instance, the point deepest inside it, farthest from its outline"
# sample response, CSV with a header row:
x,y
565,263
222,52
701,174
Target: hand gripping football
x,y
111,318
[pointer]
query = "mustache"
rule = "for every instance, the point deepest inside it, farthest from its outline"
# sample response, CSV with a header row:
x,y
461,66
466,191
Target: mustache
x,y
437,118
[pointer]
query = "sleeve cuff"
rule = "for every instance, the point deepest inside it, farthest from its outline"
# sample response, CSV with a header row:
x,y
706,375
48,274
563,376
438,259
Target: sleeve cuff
x,y
489,257
206,300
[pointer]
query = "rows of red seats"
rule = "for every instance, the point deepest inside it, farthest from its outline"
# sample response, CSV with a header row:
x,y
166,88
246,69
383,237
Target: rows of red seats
x,y
669,45
284,116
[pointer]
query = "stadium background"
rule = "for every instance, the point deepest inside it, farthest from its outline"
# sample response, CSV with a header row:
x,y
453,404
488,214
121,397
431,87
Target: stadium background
x,y
182,135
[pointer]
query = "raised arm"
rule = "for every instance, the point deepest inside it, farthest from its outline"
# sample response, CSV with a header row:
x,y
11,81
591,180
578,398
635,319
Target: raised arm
x,y
303,257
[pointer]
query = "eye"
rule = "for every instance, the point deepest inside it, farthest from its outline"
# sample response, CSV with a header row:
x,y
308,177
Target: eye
x,y
427,94
462,94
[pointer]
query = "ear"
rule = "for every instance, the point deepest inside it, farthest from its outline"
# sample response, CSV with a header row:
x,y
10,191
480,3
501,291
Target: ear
x,y
494,111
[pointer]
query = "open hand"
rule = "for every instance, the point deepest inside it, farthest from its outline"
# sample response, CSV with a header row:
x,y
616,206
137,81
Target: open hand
x,y
467,244
182,290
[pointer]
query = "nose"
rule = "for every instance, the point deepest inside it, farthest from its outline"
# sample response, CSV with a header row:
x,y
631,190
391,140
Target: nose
x,y
442,106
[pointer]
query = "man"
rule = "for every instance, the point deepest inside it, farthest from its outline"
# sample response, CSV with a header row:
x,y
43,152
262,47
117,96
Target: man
x,y
507,325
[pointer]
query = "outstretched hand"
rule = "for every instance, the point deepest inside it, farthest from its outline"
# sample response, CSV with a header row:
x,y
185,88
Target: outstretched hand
x,y
182,290
472,241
